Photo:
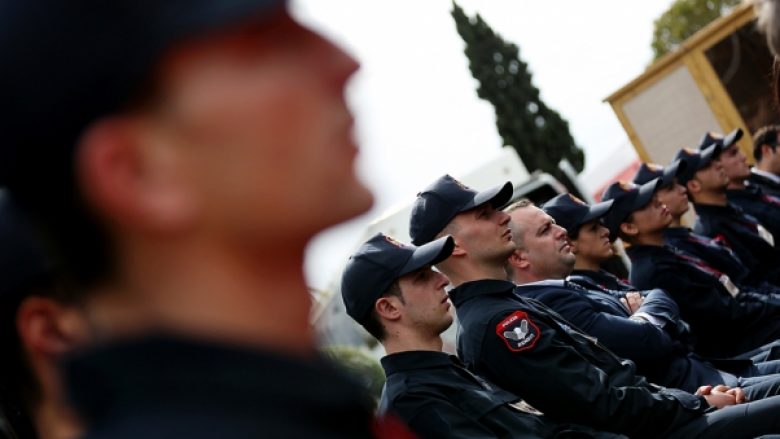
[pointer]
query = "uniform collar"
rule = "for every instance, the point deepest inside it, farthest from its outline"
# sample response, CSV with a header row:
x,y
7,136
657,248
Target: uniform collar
x,y
677,232
638,251
713,209
469,290
411,360
768,175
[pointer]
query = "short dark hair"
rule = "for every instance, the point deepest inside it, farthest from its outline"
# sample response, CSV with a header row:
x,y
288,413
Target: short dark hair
x,y
623,237
765,136
371,323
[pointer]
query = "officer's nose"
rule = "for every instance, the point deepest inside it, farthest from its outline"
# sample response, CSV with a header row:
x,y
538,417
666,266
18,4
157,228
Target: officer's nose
x,y
441,280
502,217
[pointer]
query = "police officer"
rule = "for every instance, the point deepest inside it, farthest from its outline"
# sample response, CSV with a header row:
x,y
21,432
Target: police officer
x,y
726,319
173,152
766,173
751,199
528,349
705,181
643,327
715,252
390,289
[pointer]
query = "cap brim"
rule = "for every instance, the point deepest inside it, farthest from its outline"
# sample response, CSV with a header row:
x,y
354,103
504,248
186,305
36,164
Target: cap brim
x,y
732,137
671,172
707,155
497,196
429,254
646,192
597,211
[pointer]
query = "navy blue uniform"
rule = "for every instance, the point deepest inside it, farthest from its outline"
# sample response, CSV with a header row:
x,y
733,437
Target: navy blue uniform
x,y
724,325
440,399
660,354
742,234
530,350
753,201
769,186
164,387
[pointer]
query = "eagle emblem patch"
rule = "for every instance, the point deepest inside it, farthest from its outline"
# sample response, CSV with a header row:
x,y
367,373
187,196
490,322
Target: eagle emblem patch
x,y
518,332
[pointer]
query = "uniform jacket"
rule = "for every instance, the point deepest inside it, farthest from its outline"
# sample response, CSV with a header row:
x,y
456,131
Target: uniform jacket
x,y
740,232
767,185
164,387
723,325
440,399
715,252
765,208
660,355
528,349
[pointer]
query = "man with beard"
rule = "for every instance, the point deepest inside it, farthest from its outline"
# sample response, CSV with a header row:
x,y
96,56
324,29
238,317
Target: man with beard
x,y
643,327
526,348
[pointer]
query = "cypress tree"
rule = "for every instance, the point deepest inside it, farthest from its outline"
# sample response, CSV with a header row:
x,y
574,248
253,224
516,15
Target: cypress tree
x,y
538,133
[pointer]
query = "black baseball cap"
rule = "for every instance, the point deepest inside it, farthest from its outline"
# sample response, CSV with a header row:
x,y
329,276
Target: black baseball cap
x,y
627,198
69,63
438,204
378,263
724,141
650,171
571,213
695,160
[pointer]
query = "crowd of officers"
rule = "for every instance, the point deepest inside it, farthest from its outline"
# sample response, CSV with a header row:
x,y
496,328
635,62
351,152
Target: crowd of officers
x,y
550,344
164,165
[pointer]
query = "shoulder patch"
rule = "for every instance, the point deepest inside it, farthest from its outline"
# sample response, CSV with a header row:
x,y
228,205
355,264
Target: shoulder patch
x,y
518,332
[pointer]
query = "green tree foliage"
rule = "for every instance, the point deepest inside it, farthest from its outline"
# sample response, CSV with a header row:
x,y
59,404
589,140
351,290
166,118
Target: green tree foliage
x,y
538,133
683,19
361,366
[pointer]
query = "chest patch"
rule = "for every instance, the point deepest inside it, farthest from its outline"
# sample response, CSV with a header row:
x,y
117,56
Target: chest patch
x,y
518,332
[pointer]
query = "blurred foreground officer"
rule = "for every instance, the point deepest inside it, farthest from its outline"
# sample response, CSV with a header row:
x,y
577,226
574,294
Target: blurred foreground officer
x,y
39,323
173,151
528,349
391,290
766,173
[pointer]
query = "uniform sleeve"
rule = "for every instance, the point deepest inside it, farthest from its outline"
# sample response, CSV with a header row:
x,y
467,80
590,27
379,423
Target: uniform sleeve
x,y
565,383
436,418
628,338
659,304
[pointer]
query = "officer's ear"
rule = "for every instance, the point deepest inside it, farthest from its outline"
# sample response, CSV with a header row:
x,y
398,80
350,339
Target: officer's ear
x,y
457,250
389,307
693,186
519,259
628,230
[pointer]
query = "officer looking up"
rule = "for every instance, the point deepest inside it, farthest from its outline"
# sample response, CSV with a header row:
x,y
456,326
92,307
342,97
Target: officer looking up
x,y
725,318
390,289
526,348
751,199
715,252
705,181
172,153
766,173
644,328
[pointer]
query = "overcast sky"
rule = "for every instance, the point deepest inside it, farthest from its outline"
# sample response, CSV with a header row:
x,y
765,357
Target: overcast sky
x,y
418,115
